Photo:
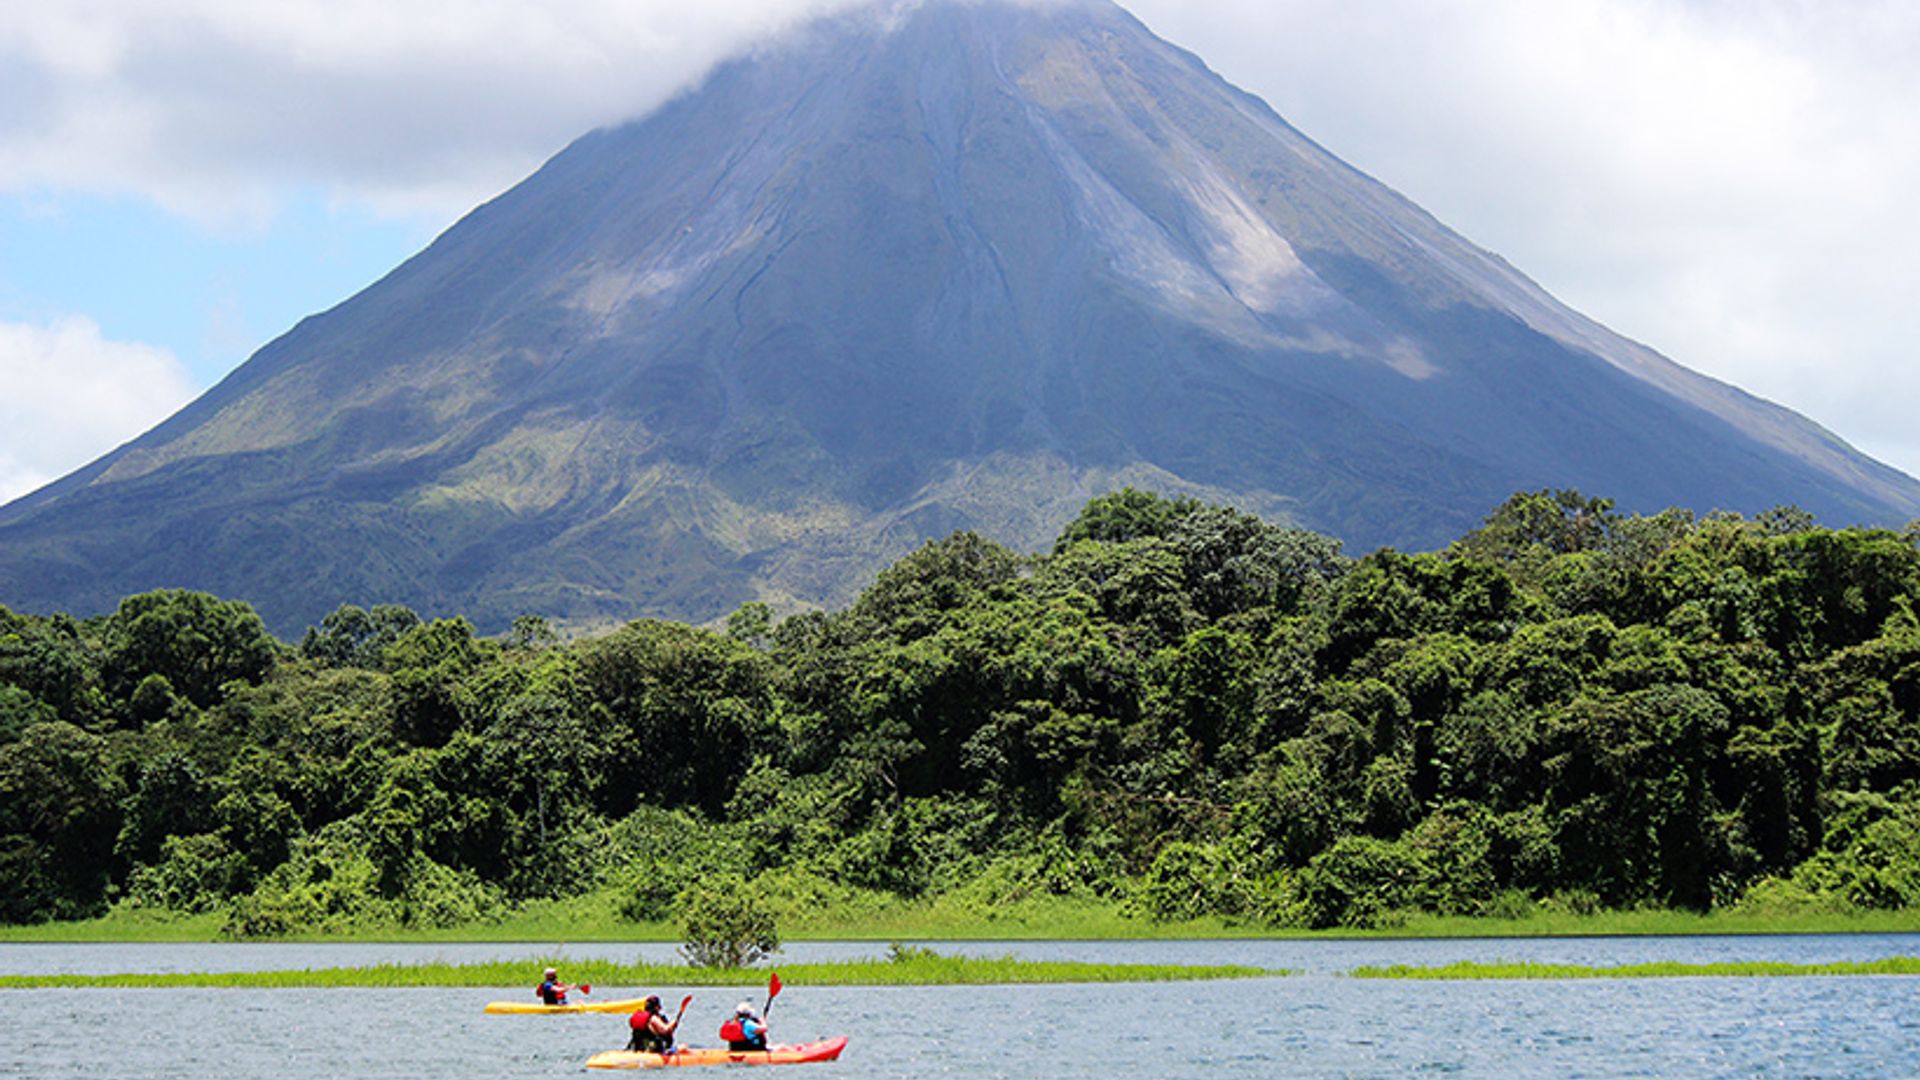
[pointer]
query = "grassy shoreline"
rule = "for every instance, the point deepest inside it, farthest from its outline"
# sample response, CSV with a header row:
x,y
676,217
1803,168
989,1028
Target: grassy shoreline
x,y
918,968
1895,965
590,919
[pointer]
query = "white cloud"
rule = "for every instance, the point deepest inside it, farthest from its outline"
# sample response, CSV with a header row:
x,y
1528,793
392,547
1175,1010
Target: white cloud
x,y
214,107
1727,180
68,395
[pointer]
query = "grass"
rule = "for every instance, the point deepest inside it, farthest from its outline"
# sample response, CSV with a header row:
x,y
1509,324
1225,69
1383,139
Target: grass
x,y
1655,922
915,967
590,919
1897,965
595,917
120,925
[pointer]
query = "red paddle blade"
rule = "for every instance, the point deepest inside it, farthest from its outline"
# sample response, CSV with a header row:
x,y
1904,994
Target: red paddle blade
x,y
586,988
773,987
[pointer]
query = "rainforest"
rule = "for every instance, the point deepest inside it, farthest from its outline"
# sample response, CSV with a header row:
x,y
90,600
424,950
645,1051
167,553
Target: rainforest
x,y
1180,712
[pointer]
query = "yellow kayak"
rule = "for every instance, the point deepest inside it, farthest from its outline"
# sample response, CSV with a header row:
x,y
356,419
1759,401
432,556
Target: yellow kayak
x,y
823,1050
534,1008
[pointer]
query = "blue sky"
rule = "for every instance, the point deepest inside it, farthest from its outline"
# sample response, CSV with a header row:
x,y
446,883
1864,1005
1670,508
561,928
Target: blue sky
x,y
1731,183
210,295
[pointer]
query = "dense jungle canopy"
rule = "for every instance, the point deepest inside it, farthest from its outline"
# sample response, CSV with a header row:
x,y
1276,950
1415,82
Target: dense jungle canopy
x,y
1180,708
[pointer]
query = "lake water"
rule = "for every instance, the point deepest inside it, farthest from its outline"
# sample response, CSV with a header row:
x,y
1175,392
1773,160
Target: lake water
x,y
1316,1023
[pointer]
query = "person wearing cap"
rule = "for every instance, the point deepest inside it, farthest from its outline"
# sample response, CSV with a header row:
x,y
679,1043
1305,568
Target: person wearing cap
x,y
652,1031
552,991
746,1031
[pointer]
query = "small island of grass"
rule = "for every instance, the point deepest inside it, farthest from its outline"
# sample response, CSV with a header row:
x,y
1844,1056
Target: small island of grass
x,y
907,966
1896,965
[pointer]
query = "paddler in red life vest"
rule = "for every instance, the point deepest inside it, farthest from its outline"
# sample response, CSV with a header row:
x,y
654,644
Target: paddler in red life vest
x,y
552,991
746,1031
652,1031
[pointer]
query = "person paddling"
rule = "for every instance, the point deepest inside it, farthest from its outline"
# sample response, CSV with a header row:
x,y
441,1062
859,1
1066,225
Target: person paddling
x,y
552,991
652,1031
746,1031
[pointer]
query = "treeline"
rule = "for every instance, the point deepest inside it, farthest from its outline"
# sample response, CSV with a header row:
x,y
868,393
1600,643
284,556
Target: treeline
x,y
1180,708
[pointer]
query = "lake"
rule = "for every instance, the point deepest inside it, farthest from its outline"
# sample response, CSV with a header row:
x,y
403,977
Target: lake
x,y
1316,1023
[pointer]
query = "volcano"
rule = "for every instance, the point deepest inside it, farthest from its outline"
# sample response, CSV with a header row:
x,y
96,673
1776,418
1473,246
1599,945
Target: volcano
x,y
914,269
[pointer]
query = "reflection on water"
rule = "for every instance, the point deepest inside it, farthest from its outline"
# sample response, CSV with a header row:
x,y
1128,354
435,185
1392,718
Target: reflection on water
x,y
1309,1025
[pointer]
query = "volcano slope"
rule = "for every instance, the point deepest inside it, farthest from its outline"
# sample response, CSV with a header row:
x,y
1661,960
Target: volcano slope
x,y
954,265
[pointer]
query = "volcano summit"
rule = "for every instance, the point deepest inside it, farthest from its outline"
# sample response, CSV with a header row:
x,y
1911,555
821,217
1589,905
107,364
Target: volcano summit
x,y
953,265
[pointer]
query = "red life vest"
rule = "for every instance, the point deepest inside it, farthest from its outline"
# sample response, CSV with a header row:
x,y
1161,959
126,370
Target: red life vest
x,y
732,1031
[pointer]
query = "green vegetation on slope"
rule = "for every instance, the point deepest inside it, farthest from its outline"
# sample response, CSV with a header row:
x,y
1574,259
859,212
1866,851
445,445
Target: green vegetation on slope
x,y
1896,965
1179,713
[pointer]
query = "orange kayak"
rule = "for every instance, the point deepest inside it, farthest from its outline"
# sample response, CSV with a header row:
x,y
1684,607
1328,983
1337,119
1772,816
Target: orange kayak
x,y
798,1054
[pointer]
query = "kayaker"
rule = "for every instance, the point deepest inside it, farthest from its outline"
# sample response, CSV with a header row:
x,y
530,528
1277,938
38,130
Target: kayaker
x,y
746,1031
652,1031
552,991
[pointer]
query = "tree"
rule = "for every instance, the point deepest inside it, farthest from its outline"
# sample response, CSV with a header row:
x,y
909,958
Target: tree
x,y
1235,562
544,740
725,924
531,633
1137,585
1386,596
197,641
51,664
1785,521
430,665
1207,690
171,798
1532,526
682,711
752,624
909,598
1210,712
350,636
59,816
20,710
1123,515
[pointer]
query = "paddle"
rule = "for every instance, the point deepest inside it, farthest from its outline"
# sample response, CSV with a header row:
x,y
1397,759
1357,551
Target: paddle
x,y
684,1002
773,991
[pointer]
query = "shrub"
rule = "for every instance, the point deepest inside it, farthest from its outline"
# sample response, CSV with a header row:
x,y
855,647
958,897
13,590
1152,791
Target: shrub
x,y
1053,869
1189,880
725,925
195,873
441,896
329,885
1512,905
646,894
795,893
1574,902
1789,896
1358,882
1878,868
657,851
